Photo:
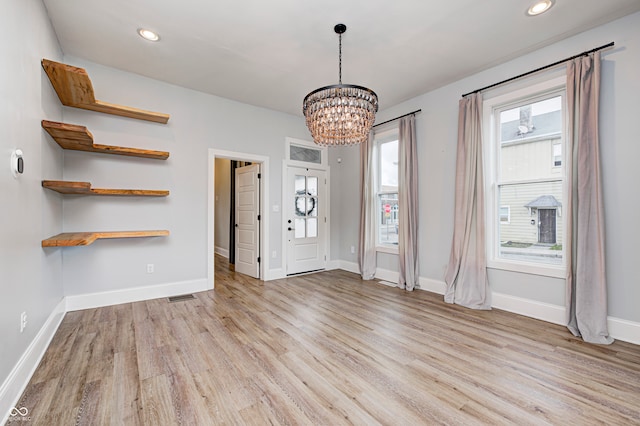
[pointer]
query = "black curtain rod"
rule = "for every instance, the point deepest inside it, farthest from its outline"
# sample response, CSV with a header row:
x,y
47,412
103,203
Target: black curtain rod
x,y
585,53
397,118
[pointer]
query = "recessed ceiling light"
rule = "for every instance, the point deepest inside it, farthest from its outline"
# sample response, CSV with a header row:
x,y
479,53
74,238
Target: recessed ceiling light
x,y
148,34
539,7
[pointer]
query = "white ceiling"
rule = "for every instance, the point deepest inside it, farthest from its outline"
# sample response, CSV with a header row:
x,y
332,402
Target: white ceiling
x,y
271,53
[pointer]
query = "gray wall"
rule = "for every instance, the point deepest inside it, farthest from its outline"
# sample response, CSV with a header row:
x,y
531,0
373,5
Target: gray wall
x,y
437,136
30,277
345,204
198,122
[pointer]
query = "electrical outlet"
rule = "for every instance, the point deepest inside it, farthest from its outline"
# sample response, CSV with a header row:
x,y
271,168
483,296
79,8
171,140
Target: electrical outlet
x,y
353,249
274,254
150,268
23,321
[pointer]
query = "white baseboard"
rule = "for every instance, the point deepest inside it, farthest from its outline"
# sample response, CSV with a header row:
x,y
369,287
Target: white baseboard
x,y
19,377
221,251
127,295
274,274
627,331
619,329
529,308
349,266
387,275
434,286
333,264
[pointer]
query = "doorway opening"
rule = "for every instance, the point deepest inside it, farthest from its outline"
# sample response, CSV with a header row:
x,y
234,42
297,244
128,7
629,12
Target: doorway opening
x,y
251,189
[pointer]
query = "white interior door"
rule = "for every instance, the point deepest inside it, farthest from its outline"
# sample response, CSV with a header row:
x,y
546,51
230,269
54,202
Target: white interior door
x,y
306,220
247,227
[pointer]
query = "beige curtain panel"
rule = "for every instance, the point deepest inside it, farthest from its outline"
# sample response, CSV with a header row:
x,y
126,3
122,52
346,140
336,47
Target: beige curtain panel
x,y
408,203
367,246
466,275
586,280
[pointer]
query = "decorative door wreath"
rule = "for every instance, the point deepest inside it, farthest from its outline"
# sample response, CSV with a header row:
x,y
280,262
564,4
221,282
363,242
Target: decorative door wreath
x,y
301,209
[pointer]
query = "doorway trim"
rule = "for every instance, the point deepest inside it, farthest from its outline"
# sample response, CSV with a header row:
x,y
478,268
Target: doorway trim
x,y
264,212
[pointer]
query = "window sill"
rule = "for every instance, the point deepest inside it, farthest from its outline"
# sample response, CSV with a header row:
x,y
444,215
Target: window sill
x,y
554,271
387,249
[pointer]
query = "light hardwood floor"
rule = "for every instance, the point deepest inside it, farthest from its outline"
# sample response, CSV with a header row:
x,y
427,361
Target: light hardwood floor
x,y
325,349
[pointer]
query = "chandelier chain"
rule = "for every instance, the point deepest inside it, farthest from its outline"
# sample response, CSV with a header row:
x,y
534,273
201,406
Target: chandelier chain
x,y
340,59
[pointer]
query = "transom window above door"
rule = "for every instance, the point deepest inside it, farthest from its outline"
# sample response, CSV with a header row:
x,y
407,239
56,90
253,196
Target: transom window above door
x,y
305,153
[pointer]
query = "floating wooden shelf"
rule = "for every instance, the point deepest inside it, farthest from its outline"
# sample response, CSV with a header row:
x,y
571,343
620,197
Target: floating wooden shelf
x,y
84,188
74,88
78,138
71,239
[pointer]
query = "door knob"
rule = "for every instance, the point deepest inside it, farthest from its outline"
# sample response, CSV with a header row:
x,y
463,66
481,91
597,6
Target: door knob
x,y
289,221
290,228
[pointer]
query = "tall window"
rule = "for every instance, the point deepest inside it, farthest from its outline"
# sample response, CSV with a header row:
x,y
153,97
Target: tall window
x,y
526,180
386,175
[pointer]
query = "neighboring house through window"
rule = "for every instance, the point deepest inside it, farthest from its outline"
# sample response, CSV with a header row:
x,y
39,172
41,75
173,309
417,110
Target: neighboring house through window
x,y
526,179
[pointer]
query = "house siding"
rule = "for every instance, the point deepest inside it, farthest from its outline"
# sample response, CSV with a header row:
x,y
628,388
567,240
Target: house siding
x,y
520,227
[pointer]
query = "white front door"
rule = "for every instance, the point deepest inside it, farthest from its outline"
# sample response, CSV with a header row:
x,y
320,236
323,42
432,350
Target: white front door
x,y
247,227
306,217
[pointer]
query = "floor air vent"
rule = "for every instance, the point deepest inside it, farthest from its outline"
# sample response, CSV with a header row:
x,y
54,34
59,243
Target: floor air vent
x,y
181,297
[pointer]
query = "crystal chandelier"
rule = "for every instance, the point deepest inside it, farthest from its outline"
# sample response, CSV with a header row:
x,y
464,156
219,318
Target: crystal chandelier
x,y
340,114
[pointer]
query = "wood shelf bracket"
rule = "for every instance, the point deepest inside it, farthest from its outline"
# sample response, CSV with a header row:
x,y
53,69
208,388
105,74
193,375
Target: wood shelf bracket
x,y
73,239
74,88
84,188
79,138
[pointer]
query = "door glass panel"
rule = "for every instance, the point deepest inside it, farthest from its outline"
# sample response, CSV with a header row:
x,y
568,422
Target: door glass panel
x,y
312,186
300,184
300,231
312,227
300,207
312,206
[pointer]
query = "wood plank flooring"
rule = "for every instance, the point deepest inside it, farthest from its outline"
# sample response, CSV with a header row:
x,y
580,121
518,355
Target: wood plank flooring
x,y
324,349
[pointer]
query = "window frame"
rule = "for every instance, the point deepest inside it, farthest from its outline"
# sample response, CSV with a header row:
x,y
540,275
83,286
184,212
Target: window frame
x,y
385,134
491,108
